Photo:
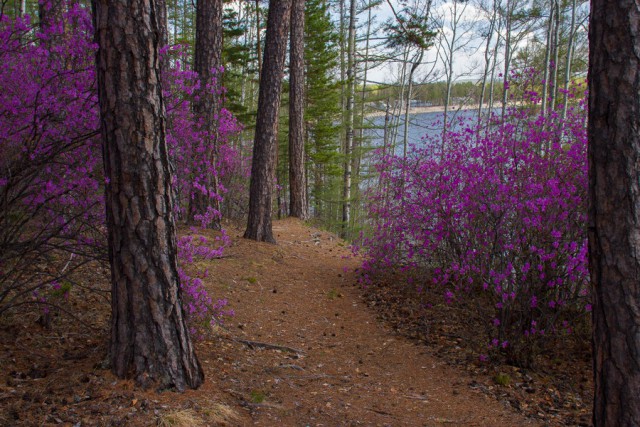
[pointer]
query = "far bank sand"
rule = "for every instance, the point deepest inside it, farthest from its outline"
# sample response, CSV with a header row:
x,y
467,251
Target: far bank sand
x,y
432,109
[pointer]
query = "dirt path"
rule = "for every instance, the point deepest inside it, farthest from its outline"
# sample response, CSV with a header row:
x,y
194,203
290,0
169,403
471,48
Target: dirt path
x,y
302,350
350,368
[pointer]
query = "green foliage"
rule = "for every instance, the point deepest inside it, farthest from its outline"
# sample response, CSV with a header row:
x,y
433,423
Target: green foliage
x,y
409,29
502,379
181,17
323,114
258,396
333,294
239,56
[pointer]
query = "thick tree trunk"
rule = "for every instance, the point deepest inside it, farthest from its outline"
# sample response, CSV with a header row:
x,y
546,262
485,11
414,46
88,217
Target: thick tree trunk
x,y
614,209
297,180
149,337
264,145
207,63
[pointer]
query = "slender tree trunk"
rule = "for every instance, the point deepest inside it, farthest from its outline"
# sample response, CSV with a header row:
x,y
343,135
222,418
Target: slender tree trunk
x,y
405,141
399,103
365,71
175,27
265,141
567,64
297,180
208,63
447,97
553,94
343,53
492,82
487,60
351,94
547,58
385,143
149,337
614,209
258,42
507,57
449,70
357,152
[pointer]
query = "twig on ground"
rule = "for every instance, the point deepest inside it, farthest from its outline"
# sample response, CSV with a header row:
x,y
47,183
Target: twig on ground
x,y
258,344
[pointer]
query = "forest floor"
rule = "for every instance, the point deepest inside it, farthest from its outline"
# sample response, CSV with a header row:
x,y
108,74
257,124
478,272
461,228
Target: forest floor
x,y
307,346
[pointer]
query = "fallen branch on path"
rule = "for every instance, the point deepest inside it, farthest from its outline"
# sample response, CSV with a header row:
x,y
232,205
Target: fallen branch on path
x,y
257,344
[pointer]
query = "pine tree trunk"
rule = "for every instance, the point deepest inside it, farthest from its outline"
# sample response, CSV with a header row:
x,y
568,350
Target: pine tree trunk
x,y
207,63
149,337
614,209
264,146
297,181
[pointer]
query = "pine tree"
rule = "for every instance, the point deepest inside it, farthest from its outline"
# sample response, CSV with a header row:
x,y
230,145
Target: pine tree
x,y
263,167
323,111
297,180
149,337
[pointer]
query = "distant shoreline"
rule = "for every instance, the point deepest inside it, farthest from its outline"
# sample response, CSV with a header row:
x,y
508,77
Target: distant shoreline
x,y
433,109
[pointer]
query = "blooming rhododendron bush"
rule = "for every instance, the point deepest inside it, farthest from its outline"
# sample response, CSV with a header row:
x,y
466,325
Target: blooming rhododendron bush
x,y
52,214
496,213
51,208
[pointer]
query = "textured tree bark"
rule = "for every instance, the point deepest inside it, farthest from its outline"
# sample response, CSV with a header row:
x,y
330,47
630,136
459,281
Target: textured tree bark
x,y
149,337
162,27
207,63
614,209
297,180
264,145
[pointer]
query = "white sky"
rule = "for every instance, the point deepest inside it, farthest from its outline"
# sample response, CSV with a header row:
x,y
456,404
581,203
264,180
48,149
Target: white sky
x,y
463,60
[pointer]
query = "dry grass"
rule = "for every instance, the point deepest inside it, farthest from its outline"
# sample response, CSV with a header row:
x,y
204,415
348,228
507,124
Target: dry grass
x,y
221,414
181,418
212,413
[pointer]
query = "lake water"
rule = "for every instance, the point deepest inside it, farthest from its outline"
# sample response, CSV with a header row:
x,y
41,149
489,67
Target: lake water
x,y
420,125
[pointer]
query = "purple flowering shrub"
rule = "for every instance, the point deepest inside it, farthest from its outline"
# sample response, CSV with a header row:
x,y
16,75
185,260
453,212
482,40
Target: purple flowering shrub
x,y
52,212
198,305
188,138
51,197
499,213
